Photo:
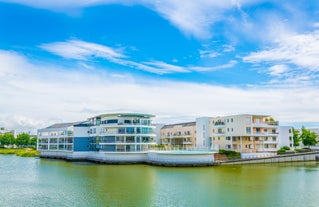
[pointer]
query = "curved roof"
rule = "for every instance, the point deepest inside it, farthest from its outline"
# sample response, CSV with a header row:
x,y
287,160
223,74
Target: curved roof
x,y
125,115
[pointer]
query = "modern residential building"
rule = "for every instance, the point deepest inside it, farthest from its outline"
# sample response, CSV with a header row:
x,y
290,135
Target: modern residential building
x,y
107,132
181,134
245,133
65,137
123,132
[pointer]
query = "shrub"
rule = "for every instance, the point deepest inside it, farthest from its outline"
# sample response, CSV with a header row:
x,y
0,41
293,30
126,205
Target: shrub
x,y
230,154
286,148
281,151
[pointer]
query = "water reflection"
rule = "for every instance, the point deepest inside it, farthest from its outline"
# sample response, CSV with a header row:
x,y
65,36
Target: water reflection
x,y
40,182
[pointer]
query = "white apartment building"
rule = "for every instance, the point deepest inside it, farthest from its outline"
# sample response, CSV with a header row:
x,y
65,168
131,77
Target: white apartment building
x,y
245,133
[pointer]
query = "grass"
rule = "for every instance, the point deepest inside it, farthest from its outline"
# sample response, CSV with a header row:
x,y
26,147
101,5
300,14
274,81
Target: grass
x,y
24,152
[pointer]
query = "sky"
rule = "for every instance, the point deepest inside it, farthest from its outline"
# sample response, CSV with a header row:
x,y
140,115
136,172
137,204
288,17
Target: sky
x,y
67,60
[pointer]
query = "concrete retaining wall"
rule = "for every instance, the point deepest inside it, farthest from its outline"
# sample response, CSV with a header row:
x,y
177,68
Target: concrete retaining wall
x,y
301,157
165,158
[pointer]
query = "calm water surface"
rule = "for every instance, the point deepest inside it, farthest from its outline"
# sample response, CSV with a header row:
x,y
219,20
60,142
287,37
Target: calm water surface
x,y
40,182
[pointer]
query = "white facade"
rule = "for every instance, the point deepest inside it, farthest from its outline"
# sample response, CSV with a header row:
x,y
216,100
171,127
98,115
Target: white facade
x,y
245,133
202,132
286,136
122,132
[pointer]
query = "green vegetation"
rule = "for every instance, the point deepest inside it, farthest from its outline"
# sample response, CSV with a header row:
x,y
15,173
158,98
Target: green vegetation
x,y
230,154
303,150
296,137
283,150
23,140
7,139
307,137
25,152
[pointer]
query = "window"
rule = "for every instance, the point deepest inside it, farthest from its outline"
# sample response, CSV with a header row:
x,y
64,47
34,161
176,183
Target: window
x,y
248,121
228,138
227,129
289,130
248,130
290,138
231,120
218,138
111,121
232,129
227,120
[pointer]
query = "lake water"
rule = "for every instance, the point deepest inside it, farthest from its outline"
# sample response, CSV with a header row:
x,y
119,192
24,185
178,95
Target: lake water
x,y
41,182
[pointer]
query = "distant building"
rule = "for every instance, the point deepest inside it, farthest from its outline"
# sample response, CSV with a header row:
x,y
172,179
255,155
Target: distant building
x,y
245,133
181,134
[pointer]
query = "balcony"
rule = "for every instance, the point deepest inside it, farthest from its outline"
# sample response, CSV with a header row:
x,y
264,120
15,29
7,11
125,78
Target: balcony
x,y
265,133
267,124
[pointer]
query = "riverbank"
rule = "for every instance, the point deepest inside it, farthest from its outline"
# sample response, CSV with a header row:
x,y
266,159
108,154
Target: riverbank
x,y
23,152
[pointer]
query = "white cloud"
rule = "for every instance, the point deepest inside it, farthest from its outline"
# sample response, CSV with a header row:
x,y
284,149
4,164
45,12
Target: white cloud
x,y
80,50
208,53
293,59
278,70
40,94
86,51
230,64
301,50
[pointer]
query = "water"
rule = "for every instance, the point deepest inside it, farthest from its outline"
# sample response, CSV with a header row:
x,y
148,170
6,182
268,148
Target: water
x,y
40,182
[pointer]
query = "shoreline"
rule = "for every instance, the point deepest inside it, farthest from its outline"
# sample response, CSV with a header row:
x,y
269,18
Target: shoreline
x,y
21,152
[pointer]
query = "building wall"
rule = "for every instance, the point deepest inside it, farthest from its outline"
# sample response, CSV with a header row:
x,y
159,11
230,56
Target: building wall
x,y
182,134
285,136
202,132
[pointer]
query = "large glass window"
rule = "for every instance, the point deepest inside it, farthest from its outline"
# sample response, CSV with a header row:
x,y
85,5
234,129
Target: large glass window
x,y
111,121
130,130
248,130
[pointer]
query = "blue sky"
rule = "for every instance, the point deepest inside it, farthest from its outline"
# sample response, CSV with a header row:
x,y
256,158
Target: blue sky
x,y
66,60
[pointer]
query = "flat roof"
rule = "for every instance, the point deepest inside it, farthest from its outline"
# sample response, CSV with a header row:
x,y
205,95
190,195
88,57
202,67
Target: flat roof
x,y
125,115
66,124
193,123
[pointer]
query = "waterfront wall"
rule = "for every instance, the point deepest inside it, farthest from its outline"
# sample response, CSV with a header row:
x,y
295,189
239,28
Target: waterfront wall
x,y
302,157
165,158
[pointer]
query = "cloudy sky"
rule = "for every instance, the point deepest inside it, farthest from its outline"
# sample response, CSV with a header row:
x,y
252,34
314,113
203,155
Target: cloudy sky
x,y
67,60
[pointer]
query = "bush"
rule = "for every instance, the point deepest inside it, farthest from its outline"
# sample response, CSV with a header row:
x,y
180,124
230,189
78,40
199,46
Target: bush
x,y
230,154
281,151
303,150
285,148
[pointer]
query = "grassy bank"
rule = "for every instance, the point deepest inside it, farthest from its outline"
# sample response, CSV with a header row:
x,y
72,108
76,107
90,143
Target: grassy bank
x,y
24,152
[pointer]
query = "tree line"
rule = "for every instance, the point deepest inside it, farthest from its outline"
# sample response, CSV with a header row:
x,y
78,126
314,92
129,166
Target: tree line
x,y
22,140
305,136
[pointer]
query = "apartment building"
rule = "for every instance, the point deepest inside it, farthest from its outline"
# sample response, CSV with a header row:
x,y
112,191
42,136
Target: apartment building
x,y
245,133
67,137
122,132
181,134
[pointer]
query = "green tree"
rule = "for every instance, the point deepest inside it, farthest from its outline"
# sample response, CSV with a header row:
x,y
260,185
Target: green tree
x,y
33,141
296,137
308,138
23,139
8,139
